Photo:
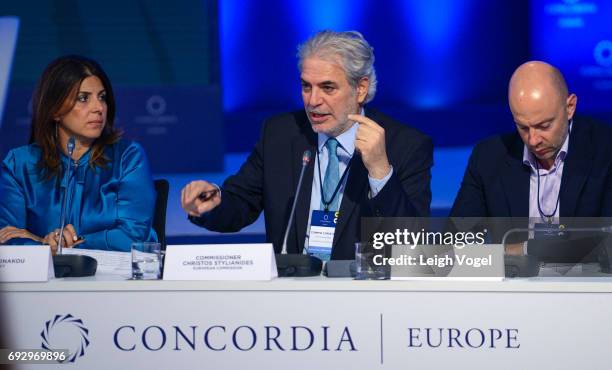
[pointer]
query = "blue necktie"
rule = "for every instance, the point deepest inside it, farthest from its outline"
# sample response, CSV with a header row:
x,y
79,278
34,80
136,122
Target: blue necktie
x,y
332,175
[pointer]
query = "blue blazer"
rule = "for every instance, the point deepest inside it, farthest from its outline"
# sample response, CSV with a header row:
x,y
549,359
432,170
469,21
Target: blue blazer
x,y
268,179
110,207
496,182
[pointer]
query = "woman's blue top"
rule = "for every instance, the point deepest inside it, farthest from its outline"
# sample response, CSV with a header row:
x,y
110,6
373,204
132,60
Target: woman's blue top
x,y
110,207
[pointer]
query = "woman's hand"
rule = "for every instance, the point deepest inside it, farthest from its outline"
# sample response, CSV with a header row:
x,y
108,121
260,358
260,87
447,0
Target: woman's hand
x,y
70,236
10,232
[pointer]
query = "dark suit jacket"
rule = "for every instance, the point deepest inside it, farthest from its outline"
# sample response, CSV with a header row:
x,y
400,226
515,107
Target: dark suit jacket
x,y
496,182
268,179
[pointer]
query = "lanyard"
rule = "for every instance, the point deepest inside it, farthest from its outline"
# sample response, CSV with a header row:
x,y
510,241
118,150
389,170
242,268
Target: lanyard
x,y
328,202
549,217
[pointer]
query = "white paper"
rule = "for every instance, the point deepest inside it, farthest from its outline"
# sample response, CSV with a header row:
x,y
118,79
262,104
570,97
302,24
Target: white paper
x,y
109,262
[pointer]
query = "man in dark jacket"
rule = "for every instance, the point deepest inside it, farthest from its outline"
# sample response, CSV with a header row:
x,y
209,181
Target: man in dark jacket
x,y
364,163
553,166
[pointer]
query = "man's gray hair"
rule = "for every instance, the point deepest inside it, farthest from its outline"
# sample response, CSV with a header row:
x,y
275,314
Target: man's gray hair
x,y
356,55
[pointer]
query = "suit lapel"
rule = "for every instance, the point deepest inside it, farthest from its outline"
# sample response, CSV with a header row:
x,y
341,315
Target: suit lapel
x,y
515,180
576,169
300,144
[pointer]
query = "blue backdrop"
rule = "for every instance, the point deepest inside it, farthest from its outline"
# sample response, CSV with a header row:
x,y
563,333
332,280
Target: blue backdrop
x,y
576,36
443,65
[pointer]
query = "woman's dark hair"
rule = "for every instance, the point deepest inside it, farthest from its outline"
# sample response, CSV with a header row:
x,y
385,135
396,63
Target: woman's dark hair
x,y
55,95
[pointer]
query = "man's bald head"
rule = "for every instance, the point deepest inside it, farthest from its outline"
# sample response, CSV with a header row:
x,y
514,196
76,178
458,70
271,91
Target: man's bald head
x,y
536,80
541,108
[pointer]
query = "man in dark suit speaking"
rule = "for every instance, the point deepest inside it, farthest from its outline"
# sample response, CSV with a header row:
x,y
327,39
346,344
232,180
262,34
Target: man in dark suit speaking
x,y
364,163
553,166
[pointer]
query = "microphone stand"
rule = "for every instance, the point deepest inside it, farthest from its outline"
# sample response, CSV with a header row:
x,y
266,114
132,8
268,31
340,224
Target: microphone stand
x,y
297,264
70,149
70,265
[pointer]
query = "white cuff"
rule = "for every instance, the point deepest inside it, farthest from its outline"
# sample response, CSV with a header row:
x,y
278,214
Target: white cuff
x,y
376,185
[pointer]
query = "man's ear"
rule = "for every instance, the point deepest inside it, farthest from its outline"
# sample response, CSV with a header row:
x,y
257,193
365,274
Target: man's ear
x,y
570,105
362,90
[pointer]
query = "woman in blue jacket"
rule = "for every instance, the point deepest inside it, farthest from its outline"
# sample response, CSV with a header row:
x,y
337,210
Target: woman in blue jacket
x,y
111,197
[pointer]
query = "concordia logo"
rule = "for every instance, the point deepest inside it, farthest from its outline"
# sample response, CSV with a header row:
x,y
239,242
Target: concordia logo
x,y
64,320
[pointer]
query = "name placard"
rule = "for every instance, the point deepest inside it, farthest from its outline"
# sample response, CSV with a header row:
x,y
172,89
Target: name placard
x,y
25,263
220,262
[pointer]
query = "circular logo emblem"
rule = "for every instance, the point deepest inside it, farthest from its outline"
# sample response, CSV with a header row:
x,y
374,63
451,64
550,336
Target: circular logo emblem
x,y
603,53
156,105
66,332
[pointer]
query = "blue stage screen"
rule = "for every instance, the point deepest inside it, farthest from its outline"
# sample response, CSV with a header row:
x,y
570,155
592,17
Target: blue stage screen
x,y
576,36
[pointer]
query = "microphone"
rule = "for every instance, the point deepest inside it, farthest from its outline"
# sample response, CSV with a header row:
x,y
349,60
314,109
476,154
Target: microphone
x,y
305,160
297,264
70,149
70,265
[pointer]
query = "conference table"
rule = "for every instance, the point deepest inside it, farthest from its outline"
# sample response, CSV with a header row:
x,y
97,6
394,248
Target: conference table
x,y
108,322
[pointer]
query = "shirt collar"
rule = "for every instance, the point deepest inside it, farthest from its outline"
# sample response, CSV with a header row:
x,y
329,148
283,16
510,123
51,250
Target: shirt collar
x,y
530,160
346,139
